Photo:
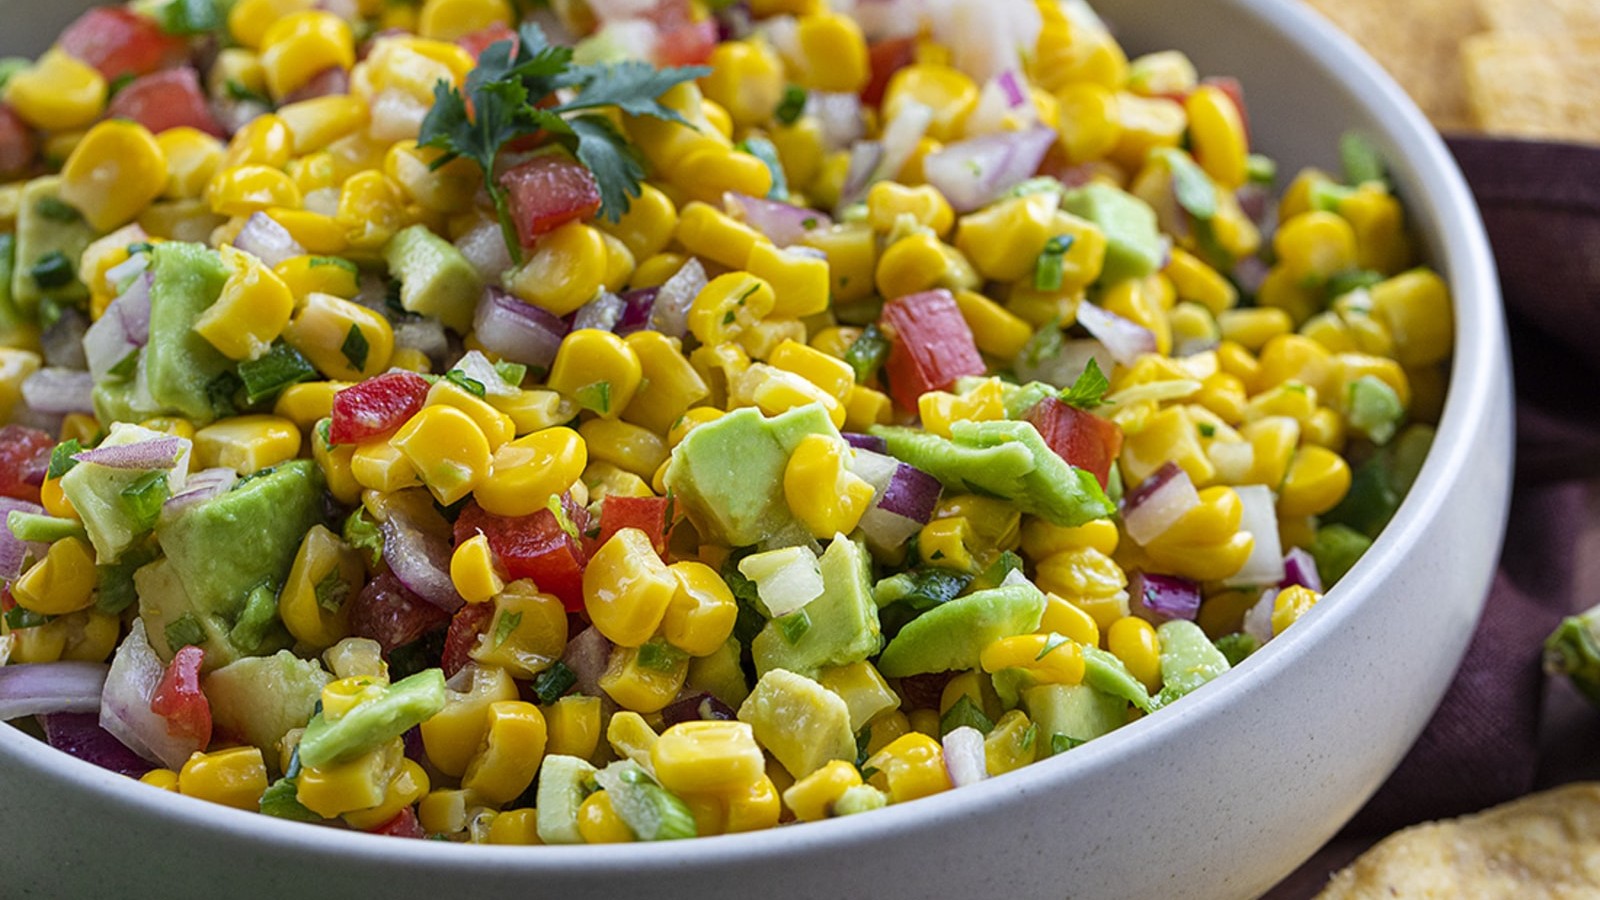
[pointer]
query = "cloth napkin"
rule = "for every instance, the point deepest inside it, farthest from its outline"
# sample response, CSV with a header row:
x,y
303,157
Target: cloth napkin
x,y
1541,207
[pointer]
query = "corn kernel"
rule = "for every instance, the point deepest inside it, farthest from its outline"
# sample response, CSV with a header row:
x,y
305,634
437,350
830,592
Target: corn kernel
x,y
453,735
235,777
911,766
57,93
114,173
597,369
447,449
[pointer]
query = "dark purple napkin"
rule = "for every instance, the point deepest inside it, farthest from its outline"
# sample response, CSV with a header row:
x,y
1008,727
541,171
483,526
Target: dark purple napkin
x,y
1541,207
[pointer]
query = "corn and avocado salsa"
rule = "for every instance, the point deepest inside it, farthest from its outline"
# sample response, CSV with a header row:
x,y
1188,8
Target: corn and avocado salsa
x,y
639,419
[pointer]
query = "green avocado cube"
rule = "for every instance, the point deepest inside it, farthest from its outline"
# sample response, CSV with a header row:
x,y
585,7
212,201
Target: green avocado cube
x,y
178,366
802,723
435,279
953,634
50,234
262,698
373,723
843,621
1133,239
100,494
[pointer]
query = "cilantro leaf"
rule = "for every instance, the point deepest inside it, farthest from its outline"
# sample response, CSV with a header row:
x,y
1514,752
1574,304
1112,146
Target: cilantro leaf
x,y
631,86
1089,390
617,168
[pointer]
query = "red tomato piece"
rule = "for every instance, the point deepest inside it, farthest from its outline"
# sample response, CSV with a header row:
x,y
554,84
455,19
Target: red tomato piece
x,y
547,192
376,407
404,825
932,346
18,146
179,700
884,59
465,626
1081,438
479,41
24,457
689,44
120,42
165,100
534,546
389,613
648,514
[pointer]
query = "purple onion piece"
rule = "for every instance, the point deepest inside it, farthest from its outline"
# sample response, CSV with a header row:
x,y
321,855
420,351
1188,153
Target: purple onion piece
x,y
670,313
79,734
59,391
1124,339
865,441
106,344
517,331
200,487
1159,501
912,493
1159,598
31,689
133,309
263,238
601,314
784,223
696,707
1300,568
864,159
975,171
13,552
587,656
840,116
415,750
964,757
420,561
1007,81
156,453
636,306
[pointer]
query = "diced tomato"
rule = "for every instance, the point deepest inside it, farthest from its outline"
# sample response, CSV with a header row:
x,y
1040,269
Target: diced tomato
x,y
179,700
7,602
465,626
1081,438
376,406
648,514
534,546
119,42
404,825
547,192
165,100
24,457
329,82
479,41
886,58
932,345
686,37
18,146
389,613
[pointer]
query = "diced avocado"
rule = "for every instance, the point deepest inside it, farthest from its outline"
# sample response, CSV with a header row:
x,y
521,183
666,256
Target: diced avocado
x,y
951,635
1188,659
802,723
1003,459
49,231
1076,711
564,782
100,494
727,475
843,621
403,705
1373,409
260,698
1133,239
1106,673
1336,549
648,809
862,689
14,329
127,400
435,279
859,799
179,366
720,675
223,548
171,619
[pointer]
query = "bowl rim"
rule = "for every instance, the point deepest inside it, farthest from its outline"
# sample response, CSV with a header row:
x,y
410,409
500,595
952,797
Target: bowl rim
x,y
1478,363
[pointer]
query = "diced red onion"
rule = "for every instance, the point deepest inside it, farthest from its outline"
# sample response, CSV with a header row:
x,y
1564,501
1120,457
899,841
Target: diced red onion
x,y
1064,368
125,703
964,756
421,561
984,36
864,159
200,487
1251,273
426,336
975,171
1264,565
59,391
1124,339
485,247
266,240
912,493
791,585
62,343
602,313
14,552
79,734
636,306
884,530
106,343
840,117
1159,598
1157,503
396,116
1300,567
32,689
133,308
1258,618
783,223
865,441
155,453
899,142
1011,86
694,707
999,107
476,366
517,331
1255,201
587,655
670,314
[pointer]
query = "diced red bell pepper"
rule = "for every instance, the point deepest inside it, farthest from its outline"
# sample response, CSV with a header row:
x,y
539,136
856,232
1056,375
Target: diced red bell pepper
x,y
18,146
547,192
179,700
884,59
24,458
389,613
648,514
376,407
1081,438
534,546
404,825
932,346
686,39
465,626
165,100
118,42
479,41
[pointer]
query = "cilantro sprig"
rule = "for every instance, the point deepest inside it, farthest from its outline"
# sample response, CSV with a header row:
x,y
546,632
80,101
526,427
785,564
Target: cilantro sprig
x,y
509,96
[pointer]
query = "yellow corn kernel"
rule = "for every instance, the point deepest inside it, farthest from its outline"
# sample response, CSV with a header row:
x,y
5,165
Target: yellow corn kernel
x,y
1198,282
247,444
453,735
165,779
728,305
307,275
447,20
1291,398
564,271
574,726
712,234
513,747
943,543
826,372
1315,245
1233,358
705,174
1134,641
1290,604
605,479
443,812
852,258
57,93
527,472
1091,125
475,572
1140,300
516,827
61,583
1041,539
82,428
629,447
669,385
302,44
1415,306
409,785
919,262
447,450
822,493
755,808
1217,136
251,312
325,575
1089,579
911,766
447,188
1049,658
264,141
344,340
1011,745
832,54
597,369
1325,428
865,407
1378,221
1170,435
371,210
529,631
180,220
534,410
799,146
708,757
887,201
627,588
496,426
1004,239
996,330
248,189
647,227
1145,124
361,783
746,79
1065,618
114,173
702,611
337,465
236,777
1296,358
700,415
249,20
1272,441
764,336
598,822
1252,328
811,798
646,684
55,502
664,144
799,282
15,368
1315,483
946,90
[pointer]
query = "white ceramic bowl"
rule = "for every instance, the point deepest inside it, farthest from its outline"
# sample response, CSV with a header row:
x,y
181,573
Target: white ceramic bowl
x,y
1219,796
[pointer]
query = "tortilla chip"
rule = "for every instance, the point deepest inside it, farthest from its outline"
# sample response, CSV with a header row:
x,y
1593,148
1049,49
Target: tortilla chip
x,y
1417,41
1544,845
1553,18
1535,87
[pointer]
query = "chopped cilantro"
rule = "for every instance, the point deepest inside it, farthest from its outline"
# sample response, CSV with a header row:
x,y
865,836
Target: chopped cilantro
x,y
126,366
143,498
1049,269
867,353
964,712
1045,343
1191,186
281,800
1207,429
792,106
1361,160
1052,643
559,510
553,682
355,348
184,631
794,626
362,533
863,740
511,373
239,93
61,461
1088,389
762,149
189,17
506,626
56,210
223,393
282,365
332,591
660,656
1061,743
595,397
18,617
461,380
1029,736
53,270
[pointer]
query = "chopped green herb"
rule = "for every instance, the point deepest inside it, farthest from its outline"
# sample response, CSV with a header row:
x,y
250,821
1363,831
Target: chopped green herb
x,y
239,93
337,262
1061,743
1237,646
794,626
867,772
511,373
126,366
282,365
728,317
189,17
867,353
184,631
595,397
1029,736
1049,268
362,533
660,656
259,615
1361,160
116,592
1191,186
19,617
1207,429
863,740
1088,389
505,627
332,591
61,461
792,106
471,385
762,149
53,270
118,83
559,510
56,210
281,801
964,712
223,393
143,498
553,683
1044,345
1341,283
355,348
